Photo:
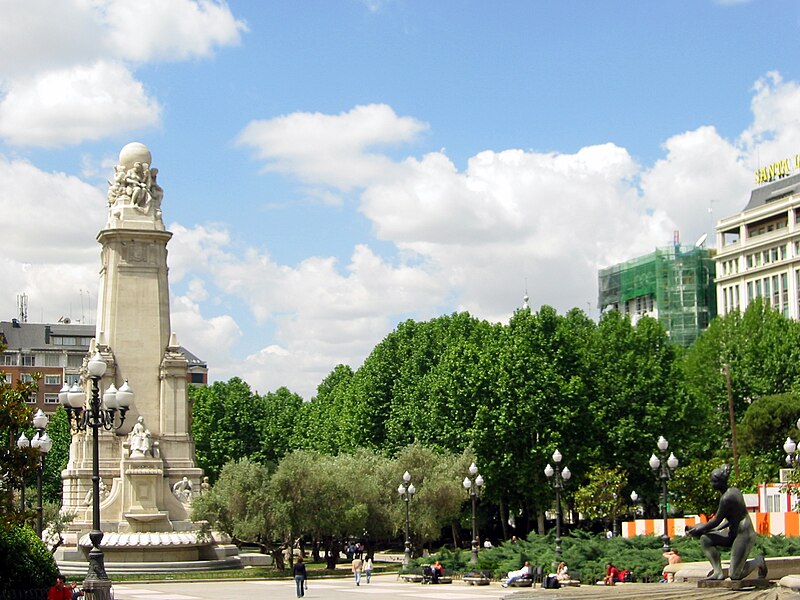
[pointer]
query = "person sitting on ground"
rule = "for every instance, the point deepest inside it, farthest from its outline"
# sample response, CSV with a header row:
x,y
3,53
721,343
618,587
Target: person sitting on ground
x,y
513,576
673,558
562,572
613,575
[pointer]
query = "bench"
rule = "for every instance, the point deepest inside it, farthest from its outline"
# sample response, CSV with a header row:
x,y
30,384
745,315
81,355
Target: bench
x,y
476,580
411,578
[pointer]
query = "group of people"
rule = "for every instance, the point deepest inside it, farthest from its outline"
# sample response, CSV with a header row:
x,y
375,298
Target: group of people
x,y
360,566
561,574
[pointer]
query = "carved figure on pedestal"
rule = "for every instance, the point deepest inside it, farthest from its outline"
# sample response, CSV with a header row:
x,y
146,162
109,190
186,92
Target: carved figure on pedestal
x,y
183,490
205,487
730,528
87,500
141,442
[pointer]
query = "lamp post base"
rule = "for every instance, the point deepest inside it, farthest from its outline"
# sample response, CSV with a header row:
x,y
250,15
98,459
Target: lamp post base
x,y
97,589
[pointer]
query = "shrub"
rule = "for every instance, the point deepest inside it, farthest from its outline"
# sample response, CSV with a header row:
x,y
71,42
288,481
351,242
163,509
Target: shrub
x,y
25,562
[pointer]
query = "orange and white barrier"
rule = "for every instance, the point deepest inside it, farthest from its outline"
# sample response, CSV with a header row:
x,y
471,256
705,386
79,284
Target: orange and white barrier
x,y
677,526
783,523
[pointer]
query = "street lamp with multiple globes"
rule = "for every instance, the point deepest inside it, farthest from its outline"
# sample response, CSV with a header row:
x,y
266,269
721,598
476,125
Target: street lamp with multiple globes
x,y
663,469
790,447
472,483
95,415
557,480
406,491
41,442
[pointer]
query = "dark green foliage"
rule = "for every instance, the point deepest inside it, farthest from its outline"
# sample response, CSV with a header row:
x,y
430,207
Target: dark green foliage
x,y
586,555
25,561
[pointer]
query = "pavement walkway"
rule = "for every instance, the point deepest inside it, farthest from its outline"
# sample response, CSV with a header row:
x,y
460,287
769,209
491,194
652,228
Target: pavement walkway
x,y
388,587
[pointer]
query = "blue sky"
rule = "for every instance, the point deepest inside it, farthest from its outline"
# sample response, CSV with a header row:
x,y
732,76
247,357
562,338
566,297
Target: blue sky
x,y
334,167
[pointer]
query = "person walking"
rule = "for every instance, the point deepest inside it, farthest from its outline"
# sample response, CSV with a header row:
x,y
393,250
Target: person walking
x,y
357,566
368,569
299,570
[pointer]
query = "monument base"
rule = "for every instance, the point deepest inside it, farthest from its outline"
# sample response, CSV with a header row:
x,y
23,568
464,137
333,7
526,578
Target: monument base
x,y
735,584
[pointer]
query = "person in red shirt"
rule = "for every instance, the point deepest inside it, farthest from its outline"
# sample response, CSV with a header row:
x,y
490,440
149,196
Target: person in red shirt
x,y
612,575
60,591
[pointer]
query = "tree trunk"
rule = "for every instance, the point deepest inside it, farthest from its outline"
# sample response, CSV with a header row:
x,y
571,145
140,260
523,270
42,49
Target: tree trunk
x,y
331,554
504,520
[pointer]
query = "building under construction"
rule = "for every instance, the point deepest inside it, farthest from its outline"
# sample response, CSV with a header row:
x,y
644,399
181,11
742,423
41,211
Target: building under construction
x,y
674,285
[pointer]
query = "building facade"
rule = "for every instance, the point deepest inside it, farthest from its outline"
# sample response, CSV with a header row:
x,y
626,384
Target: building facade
x,y
759,251
674,285
55,352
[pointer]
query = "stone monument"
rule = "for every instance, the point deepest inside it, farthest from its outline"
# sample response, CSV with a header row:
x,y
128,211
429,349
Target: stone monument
x,y
144,521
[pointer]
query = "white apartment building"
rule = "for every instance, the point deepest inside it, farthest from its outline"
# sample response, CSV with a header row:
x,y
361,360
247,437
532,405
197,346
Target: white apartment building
x,y
758,250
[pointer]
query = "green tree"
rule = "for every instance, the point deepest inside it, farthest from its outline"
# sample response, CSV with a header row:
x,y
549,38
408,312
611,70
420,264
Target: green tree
x,y
761,351
222,424
604,496
239,504
16,465
275,429
690,488
766,424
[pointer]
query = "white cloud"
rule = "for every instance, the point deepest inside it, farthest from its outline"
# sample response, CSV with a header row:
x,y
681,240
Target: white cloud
x,y
148,30
82,103
702,179
336,150
66,67
50,259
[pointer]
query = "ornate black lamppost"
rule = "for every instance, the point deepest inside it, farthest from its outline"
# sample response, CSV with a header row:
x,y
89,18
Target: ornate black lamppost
x,y
42,442
663,469
472,483
557,480
95,415
406,491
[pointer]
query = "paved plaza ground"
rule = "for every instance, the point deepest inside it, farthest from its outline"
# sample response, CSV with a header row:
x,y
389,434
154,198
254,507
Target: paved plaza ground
x,y
388,587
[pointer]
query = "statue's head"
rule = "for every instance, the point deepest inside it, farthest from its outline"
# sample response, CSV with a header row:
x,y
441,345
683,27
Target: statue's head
x,y
719,477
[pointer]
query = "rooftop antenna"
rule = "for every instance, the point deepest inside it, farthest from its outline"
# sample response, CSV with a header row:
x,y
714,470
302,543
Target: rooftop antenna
x,y
22,307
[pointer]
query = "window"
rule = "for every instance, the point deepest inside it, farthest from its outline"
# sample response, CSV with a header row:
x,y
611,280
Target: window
x,y
51,398
766,291
749,291
52,360
6,377
774,503
782,251
28,360
776,292
8,360
725,292
74,360
785,293
196,377
31,399
52,379
758,288
72,379
750,261
736,296
26,378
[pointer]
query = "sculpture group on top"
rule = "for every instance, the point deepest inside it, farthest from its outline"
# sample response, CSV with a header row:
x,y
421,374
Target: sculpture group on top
x,y
137,187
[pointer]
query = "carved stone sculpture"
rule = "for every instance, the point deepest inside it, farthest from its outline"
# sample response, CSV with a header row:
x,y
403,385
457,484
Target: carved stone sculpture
x,y
140,440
